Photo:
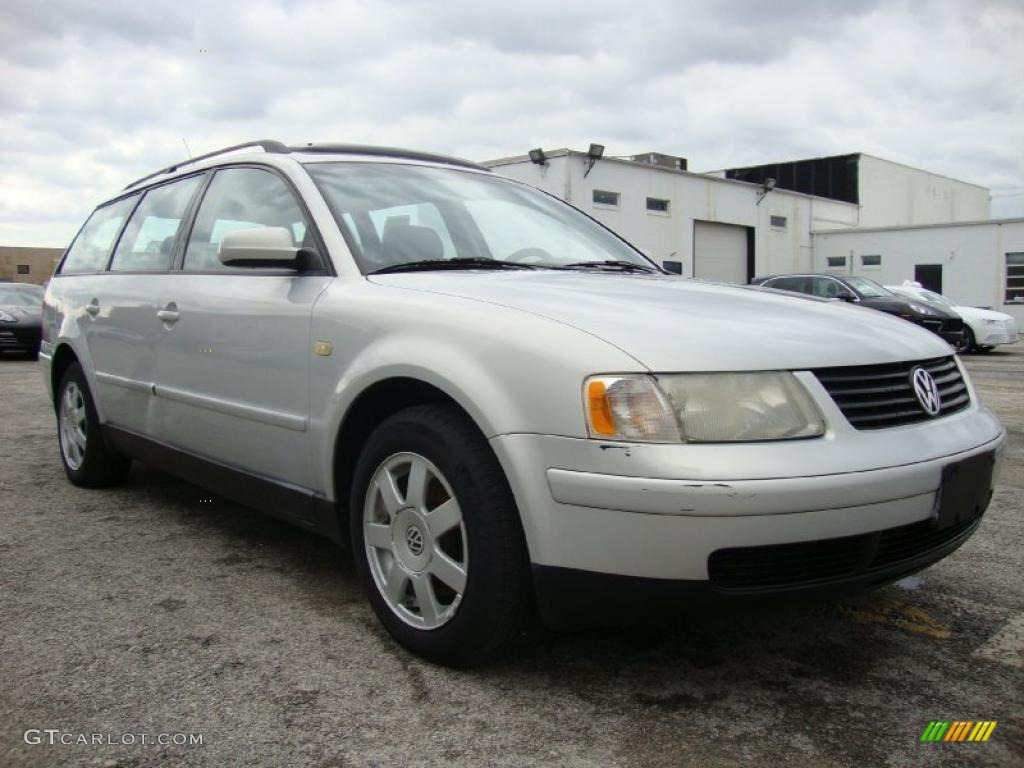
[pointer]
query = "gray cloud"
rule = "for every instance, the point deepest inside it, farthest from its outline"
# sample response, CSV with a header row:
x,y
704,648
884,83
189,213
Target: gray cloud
x,y
94,94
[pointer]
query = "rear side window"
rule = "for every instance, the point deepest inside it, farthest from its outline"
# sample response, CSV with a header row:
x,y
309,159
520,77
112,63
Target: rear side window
x,y
148,240
243,198
91,248
796,284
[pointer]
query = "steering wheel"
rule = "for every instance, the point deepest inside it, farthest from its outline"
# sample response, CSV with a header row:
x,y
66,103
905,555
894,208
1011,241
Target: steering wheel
x,y
530,255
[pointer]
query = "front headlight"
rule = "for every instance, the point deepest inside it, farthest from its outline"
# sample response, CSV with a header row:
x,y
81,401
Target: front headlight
x,y
990,321
701,408
921,309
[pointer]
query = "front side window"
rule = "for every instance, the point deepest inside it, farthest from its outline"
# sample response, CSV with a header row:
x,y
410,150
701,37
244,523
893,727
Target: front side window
x,y
396,214
242,198
148,241
825,288
91,249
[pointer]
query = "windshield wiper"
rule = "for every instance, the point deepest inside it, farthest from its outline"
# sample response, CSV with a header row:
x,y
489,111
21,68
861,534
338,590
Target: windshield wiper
x,y
458,263
617,265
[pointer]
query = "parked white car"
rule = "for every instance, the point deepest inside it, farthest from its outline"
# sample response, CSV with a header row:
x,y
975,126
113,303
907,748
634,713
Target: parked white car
x,y
985,328
500,404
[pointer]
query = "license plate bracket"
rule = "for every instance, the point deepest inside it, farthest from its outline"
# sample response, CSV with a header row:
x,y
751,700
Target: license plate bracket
x,y
966,490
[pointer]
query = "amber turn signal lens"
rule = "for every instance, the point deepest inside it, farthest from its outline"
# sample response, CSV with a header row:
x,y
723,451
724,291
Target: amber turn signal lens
x,y
599,408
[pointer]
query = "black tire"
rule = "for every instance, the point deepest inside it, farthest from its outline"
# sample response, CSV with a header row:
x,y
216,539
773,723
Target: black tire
x,y
971,344
100,466
497,604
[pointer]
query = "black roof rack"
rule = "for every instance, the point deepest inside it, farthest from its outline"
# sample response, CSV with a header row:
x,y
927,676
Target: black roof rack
x,y
268,145
405,154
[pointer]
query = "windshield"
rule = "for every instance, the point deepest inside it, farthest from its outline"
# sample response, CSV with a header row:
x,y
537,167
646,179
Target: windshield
x,y
936,298
395,214
868,289
21,295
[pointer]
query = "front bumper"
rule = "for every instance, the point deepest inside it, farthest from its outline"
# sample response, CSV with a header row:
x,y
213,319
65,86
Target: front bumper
x,y
949,330
19,338
593,512
994,335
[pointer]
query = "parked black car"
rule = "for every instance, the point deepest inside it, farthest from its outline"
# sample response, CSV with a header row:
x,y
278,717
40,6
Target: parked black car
x,y
868,293
21,318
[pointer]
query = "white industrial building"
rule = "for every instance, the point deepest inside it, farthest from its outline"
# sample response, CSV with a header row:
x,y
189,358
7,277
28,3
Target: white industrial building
x,y
823,214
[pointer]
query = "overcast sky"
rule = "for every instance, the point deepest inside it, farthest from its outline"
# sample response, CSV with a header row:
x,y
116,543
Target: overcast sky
x,y
94,94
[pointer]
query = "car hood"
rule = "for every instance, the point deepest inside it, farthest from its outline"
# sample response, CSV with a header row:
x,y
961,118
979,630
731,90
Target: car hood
x,y
974,313
24,314
678,324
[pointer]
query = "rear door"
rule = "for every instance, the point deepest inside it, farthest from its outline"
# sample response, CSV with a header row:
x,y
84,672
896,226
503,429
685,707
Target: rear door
x,y
122,326
232,365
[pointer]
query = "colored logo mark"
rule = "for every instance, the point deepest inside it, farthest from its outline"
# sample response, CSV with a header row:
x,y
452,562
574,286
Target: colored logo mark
x,y
959,730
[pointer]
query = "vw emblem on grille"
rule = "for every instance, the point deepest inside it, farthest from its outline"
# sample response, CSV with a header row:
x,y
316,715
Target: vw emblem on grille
x,y
414,540
927,391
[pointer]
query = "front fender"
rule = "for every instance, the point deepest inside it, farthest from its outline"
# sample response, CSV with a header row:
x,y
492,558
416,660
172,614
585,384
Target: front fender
x,y
511,371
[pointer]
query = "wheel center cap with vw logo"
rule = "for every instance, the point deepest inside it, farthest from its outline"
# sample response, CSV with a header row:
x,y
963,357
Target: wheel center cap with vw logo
x,y
927,391
414,539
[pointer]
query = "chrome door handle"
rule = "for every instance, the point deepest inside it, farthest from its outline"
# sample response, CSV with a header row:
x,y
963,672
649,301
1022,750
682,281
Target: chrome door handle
x,y
169,314
93,307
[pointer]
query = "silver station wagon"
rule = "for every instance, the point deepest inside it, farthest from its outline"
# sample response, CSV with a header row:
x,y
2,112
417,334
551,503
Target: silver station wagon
x,y
504,409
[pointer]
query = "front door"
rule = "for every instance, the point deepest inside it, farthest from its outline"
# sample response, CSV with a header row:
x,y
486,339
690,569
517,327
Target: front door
x,y
929,276
232,365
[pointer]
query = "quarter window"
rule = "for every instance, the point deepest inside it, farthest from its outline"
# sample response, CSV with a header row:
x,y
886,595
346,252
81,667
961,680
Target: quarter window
x,y
148,241
91,248
602,197
242,198
1015,277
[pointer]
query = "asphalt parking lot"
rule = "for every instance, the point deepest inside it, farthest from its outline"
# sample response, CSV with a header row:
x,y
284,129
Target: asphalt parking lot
x,y
156,608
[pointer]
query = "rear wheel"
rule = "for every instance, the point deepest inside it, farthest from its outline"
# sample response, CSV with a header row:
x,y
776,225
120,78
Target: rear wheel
x,y
436,538
87,459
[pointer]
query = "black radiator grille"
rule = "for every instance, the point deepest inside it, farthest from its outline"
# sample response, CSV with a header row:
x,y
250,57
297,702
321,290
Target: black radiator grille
x,y
781,566
879,396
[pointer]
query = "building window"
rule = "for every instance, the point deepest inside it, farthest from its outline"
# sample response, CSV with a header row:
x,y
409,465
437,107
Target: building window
x,y
871,260
777,221
657,205
606,198
836,261
1015,277
23,269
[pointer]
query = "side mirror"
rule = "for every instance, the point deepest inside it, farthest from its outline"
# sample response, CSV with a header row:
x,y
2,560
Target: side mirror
x,y
266,247
675,267
846,296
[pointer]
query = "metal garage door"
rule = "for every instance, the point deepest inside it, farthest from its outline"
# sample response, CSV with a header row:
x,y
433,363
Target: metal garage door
x,y
720,252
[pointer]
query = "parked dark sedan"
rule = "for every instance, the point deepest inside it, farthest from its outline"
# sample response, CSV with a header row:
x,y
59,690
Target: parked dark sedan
x,y
868,293
21,318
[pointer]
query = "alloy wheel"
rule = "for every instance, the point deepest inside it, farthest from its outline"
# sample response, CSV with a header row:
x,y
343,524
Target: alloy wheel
x,y
415,541
73,436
